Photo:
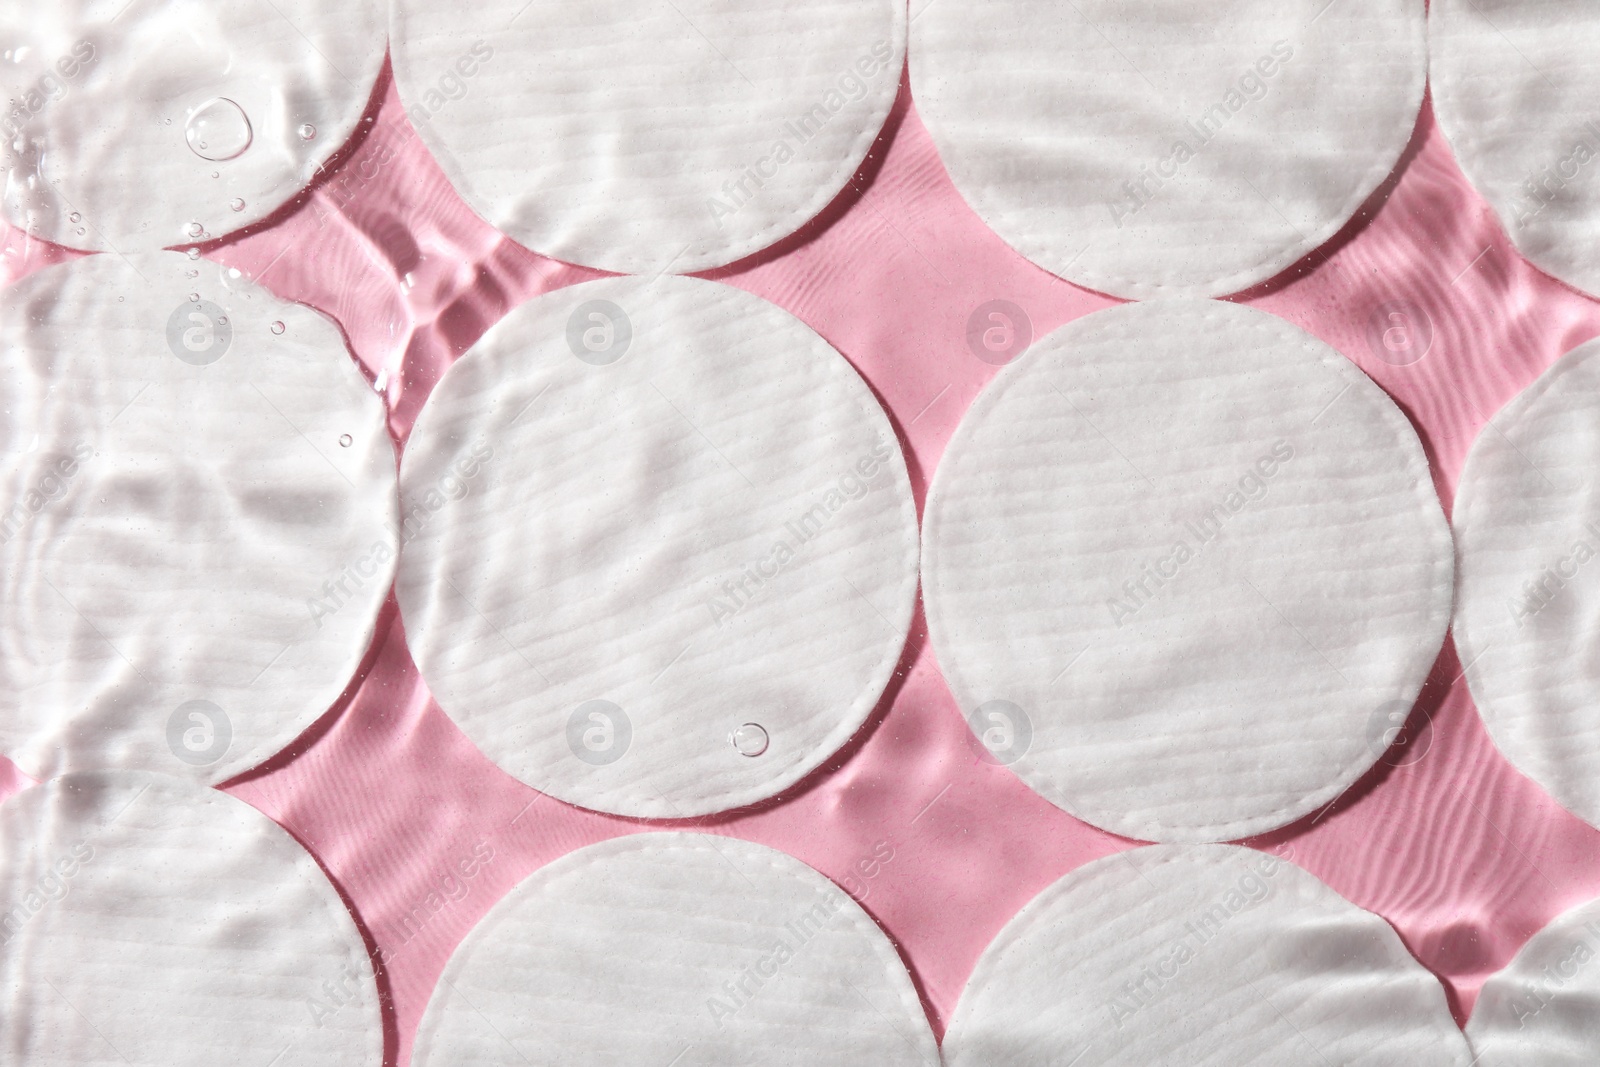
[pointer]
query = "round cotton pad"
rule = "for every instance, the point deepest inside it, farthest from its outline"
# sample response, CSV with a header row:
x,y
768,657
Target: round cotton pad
x,y
677,949
144,920
1514,84
140,124
659,547
644,137
1185,956
1168,147
1181,563
1539,1010
197,518
1527,519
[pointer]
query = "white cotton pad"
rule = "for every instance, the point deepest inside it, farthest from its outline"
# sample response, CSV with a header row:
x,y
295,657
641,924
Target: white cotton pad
x,y
1185,956
643,137
659,547
197,518
1182,562
1168,147
1514,85
144,920
680,949
1527,520
1540,1010
141,124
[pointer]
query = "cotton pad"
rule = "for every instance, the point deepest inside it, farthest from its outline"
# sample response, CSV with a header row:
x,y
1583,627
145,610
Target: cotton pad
x,y
1168,148
197,518
1181,562
1527,520
675,948
145,920
1539,1010
141,124
644,137
659,547
1514,84
1197,955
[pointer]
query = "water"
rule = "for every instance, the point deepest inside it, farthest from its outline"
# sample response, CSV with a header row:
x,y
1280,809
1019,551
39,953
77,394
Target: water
x,y
219,130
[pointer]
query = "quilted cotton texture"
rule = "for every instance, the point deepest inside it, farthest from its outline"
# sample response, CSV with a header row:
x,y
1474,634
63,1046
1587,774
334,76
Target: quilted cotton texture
x,y
1168,148
137,126
676,949
198,522
1539,1010
147,921
659,547
1514,87
1527,517
1187,956
644,137
1182,562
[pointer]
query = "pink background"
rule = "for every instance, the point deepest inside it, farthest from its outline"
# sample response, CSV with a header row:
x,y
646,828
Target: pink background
x,y
1460,852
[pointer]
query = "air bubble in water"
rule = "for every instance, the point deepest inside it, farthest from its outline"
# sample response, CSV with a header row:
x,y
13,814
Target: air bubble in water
x,y
346,441
236,204
194,298
307,132
74,217
278,327
219,130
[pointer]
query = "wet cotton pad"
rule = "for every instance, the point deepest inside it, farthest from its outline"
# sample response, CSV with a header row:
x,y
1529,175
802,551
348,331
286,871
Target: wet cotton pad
x,y
144,920
1514,85
143,124
1539,1010
659,547
1527,519
675,949
1167,147
643,137
1183,565
197,518
1194,956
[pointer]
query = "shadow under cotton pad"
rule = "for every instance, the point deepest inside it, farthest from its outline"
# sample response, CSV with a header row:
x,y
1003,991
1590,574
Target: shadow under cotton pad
x,y
1199,956
144,920
198,524
679,949
1183,564
659,550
